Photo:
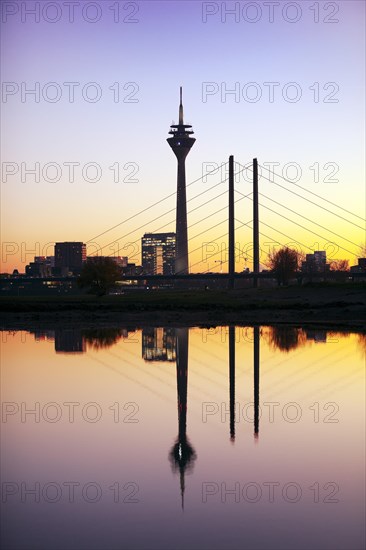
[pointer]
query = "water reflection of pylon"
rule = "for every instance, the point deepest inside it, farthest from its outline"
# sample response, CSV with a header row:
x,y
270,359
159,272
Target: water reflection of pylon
x,y
256,356
256,380
182,454
232,381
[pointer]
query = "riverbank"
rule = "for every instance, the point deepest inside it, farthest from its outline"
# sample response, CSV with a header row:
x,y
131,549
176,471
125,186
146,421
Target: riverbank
x,y
316,305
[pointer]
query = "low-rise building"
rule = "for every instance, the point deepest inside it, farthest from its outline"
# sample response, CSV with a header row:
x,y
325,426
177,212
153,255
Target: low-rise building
x,y
42,266
360,267
315,263
69,257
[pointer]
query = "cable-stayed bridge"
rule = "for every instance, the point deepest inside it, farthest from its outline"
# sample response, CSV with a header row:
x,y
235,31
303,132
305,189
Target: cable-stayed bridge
x,y
241,222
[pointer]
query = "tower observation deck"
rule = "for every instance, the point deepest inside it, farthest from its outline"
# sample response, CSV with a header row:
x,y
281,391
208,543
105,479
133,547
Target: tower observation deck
x,y
181,141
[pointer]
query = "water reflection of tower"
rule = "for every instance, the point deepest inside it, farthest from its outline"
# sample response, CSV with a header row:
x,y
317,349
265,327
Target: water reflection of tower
x,y
182,454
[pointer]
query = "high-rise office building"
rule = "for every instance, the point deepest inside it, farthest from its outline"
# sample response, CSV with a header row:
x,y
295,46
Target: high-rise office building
x,y
158,253
70,256
181,143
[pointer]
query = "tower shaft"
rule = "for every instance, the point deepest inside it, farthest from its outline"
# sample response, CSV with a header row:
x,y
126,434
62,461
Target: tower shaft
x,y
181,239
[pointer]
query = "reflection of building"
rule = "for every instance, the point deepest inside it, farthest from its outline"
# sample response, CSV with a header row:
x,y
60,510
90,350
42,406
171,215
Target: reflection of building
x,y
158,344
316,335
43,335
69,256
69,341
315,263
158,253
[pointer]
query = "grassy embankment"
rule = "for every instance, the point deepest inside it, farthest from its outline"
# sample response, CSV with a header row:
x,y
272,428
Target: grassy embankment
x,y
333,304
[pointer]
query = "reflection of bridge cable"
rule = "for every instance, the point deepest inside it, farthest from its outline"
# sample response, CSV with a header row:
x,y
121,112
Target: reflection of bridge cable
x,y
308,370
152,372
158,366
124,375
156,203
302,227
312,372
314,203
349,378
144,368
162,215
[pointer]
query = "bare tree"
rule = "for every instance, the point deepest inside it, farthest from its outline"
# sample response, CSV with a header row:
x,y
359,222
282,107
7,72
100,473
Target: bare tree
x,y
284,263
339,265
99,274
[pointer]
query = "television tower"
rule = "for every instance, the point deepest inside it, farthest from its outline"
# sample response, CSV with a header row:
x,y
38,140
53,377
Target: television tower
x,y
181,143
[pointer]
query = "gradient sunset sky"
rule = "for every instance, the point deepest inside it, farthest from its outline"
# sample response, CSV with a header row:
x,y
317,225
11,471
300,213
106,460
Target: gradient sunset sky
x,y
159,46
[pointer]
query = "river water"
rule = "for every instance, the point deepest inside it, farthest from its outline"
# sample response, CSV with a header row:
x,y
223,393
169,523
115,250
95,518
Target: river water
x,y
177,438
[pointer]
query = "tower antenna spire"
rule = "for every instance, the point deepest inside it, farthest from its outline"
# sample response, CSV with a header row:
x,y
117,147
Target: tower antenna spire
x,y
181,107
